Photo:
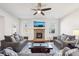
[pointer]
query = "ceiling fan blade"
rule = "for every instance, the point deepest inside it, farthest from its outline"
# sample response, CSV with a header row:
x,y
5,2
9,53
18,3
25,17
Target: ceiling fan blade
x,y
42,13
45,9
35,13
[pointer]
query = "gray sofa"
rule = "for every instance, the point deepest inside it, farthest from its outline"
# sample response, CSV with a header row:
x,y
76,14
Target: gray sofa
x,y
64,40
17,45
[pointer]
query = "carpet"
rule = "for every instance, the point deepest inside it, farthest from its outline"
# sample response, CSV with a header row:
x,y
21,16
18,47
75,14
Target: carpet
x,y
27,52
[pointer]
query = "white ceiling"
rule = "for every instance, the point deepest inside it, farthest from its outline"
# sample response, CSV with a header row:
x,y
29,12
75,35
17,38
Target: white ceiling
x,y
23,10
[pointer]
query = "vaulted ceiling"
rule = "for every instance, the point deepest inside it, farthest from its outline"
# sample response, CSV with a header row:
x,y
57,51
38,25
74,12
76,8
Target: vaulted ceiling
x,y
24,10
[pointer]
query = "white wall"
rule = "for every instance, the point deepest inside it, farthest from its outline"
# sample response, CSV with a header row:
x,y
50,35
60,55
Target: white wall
x,y
70,23
28,31
9,22
2,27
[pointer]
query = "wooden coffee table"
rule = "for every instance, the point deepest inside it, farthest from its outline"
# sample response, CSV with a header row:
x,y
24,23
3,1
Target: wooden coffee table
x,y
40,48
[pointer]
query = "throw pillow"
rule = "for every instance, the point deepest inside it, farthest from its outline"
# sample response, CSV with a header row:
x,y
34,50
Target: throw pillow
x,y
71,37
17,38
8,38
62,51
67,39
2,54
10,52
21,38
69,52
65,49
13,39
63,37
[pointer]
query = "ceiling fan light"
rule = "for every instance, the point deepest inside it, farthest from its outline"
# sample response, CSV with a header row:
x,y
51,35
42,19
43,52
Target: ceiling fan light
x,y
39,11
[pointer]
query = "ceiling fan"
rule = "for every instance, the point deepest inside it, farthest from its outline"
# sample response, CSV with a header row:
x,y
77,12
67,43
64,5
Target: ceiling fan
x,y
40,10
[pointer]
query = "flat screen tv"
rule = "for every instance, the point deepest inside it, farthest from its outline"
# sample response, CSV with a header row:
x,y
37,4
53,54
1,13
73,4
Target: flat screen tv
x,y
39,24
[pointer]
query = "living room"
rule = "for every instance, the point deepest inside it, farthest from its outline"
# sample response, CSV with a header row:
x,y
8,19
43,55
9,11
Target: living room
x,y
41,27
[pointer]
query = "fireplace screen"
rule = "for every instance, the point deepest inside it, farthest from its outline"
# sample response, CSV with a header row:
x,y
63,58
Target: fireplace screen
x,y
38,35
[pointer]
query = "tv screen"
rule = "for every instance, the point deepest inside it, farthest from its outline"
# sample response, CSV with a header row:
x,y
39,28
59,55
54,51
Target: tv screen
x,y
39,24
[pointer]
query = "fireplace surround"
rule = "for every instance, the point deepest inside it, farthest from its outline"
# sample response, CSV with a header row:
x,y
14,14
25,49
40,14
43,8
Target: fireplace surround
x,y
39,33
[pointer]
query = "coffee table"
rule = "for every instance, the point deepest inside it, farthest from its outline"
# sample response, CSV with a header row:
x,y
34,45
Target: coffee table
x,y
40,48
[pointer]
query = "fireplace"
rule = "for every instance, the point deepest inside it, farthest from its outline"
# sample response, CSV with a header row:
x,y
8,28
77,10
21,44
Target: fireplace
x,y
39,35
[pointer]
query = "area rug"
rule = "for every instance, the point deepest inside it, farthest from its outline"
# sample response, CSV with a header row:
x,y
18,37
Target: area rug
x,y
27,52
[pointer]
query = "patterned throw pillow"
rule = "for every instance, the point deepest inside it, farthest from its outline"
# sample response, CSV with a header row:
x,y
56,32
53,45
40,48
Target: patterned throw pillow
x,y
13,39
10,52
63,37
2,54
63,51
8,38
70,52
21,38
17,38
67,39
71,38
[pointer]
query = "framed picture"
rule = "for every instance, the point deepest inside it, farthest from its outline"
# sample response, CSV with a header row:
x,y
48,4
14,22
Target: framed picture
x,y
53,31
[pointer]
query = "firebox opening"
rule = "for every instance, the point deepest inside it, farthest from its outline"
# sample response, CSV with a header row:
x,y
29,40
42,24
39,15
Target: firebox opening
x,y
39,35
